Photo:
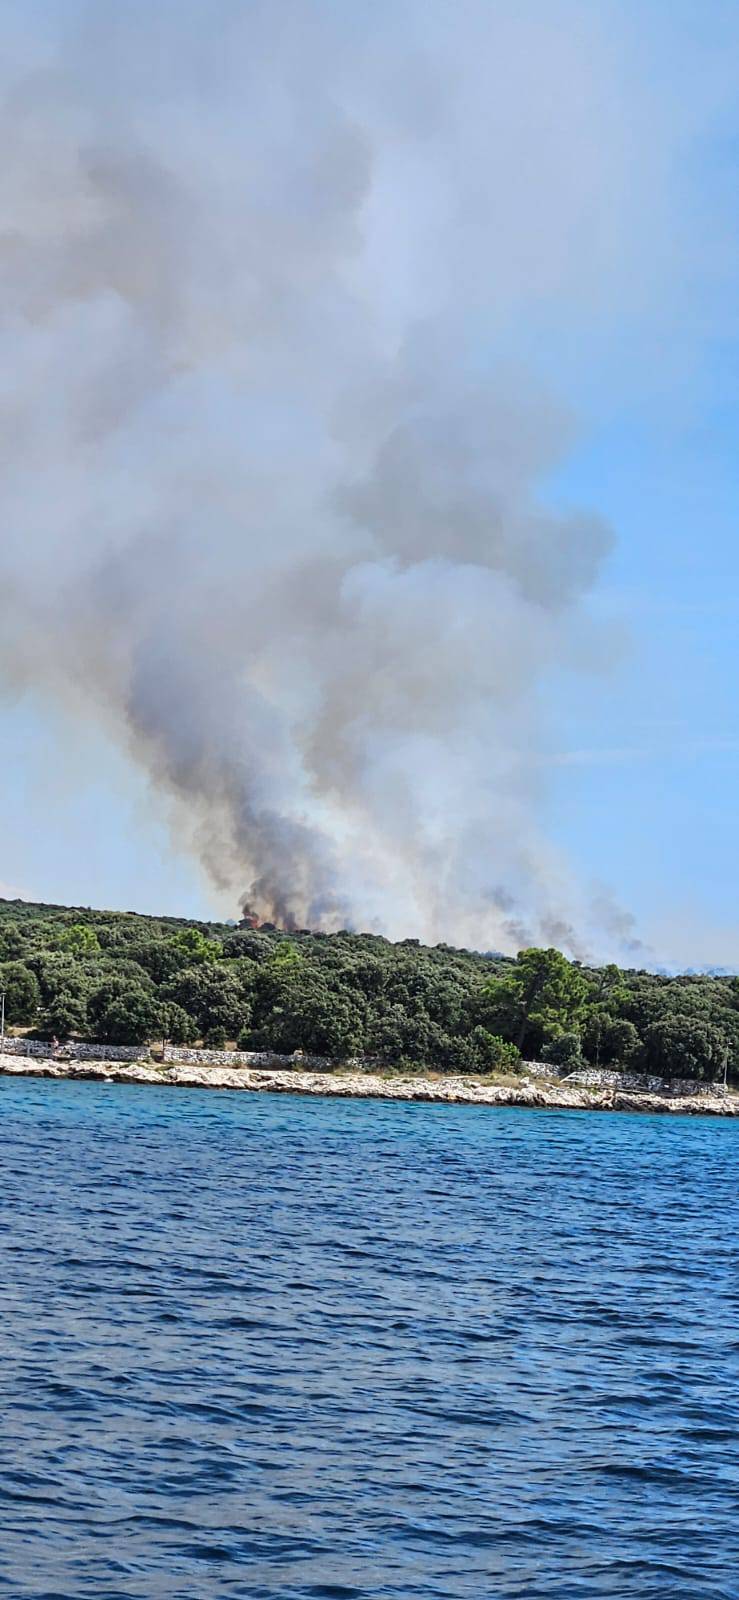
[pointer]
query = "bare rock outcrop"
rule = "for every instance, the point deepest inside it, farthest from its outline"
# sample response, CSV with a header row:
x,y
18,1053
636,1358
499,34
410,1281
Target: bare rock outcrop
x,y
364,1085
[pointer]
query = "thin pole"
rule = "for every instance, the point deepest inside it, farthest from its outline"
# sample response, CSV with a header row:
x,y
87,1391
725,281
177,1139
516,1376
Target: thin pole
x,y
2,1023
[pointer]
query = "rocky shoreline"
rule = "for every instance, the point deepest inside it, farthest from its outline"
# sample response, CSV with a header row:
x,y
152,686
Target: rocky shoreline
x,y
372,1086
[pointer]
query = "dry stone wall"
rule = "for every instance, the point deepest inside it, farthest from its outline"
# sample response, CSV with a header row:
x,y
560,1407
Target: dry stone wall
x,y
586,1077
640,1083
245,1058
41,1049
539,1069
26,1047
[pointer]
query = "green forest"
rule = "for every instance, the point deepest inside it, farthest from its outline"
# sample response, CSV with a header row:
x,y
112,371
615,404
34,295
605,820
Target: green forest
x,y
124,978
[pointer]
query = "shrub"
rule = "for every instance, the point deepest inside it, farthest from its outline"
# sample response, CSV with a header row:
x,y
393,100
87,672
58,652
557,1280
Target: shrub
x,y
563,1051
22,993
215,1039
63,1017
680,1047
493,1054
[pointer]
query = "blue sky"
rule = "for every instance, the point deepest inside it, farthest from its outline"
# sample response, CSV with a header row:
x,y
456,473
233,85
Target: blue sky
x,y
639,348
656,747
651,796
80,827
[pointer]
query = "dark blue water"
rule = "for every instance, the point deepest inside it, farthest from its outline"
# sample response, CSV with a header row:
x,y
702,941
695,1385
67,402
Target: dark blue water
x,y
265,1346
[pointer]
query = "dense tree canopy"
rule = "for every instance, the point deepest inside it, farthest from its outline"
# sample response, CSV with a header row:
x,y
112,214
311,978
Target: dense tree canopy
x,y
539,995
124,978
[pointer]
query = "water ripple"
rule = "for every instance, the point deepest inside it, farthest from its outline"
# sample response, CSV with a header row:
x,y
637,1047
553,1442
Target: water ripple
x,y
292,1349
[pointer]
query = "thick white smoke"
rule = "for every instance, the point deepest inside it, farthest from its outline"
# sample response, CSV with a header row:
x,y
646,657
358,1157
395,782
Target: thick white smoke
x,y
271,476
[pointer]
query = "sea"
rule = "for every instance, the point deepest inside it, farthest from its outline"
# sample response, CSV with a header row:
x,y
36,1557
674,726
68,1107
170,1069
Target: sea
x,y
316,1349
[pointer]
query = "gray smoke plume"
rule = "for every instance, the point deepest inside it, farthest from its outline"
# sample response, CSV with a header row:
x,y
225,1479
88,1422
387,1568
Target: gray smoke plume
x,y
271,477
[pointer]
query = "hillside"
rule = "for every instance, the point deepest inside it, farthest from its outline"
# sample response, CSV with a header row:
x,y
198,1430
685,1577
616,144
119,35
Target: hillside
x,y
121,977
